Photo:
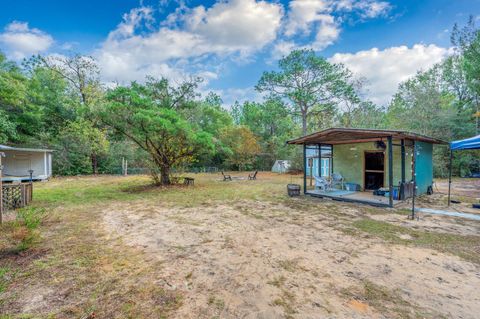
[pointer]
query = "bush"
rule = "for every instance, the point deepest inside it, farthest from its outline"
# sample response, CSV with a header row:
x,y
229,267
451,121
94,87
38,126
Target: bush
x,y
25,231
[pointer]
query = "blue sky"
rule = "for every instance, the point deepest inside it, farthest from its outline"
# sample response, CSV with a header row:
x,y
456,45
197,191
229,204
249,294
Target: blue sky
x,y
230,43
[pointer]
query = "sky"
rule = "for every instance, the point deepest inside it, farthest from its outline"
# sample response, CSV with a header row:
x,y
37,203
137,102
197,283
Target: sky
x,y
230,43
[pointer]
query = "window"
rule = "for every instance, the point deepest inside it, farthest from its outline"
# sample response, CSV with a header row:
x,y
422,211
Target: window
x,y
325,167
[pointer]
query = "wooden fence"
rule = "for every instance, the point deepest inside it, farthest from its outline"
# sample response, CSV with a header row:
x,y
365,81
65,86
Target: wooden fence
x,y
15,196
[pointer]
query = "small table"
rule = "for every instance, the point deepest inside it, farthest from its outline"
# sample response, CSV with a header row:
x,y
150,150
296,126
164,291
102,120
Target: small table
x,y
188,181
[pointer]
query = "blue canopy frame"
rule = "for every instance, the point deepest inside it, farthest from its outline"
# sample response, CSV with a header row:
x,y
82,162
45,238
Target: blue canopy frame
x,y
472,143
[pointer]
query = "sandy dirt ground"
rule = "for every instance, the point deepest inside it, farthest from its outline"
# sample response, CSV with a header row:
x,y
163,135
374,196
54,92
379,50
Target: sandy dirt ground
x,y
254,259
464,190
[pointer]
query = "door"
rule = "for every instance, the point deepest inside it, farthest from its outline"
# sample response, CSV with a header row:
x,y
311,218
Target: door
x,y
374,172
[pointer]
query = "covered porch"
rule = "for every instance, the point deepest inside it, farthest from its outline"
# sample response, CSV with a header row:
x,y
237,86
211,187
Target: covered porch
x,y
365,197
370,166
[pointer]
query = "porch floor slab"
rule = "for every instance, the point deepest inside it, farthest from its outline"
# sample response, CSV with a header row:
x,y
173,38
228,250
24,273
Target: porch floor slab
x,y
349,196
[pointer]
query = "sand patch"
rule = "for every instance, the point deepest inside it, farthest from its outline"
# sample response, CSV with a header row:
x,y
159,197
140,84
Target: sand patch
x,y
251,260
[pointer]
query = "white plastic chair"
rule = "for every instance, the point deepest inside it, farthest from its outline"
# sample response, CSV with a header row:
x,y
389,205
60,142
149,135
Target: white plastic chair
x,y
337,179
321,183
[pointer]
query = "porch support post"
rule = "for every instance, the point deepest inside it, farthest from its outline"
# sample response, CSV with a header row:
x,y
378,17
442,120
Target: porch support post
x,y
304,168
320,160
450,175
403,160
331,159
390,171
414,178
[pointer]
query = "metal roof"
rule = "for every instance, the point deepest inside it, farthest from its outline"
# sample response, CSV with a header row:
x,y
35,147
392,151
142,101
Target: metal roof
x,y
22,149
337,135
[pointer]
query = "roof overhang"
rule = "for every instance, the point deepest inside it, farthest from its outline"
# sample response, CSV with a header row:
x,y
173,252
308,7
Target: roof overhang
x,y
353,135
4,148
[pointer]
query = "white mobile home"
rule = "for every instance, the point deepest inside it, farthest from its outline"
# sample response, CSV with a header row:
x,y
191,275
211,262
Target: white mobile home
x,y
18,162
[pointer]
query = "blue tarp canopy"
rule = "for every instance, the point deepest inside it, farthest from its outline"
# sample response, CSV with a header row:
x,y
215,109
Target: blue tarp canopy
x,y
471,143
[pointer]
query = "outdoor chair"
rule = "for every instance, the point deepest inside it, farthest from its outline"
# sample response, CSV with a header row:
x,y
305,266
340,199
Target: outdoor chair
x,y
253,176
337,179
321,183
226,177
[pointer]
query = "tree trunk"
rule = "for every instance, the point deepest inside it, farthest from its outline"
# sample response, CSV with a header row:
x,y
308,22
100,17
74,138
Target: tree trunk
x,y
94,159
165,175
304,123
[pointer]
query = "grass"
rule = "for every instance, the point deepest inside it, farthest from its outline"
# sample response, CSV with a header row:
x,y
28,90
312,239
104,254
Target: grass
x,y
4,278
466,247
216,302
61,244
291,265
277,281
77,191
388,302
287,302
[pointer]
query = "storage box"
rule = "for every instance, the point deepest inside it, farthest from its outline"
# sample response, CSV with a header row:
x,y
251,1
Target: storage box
x,y
352,187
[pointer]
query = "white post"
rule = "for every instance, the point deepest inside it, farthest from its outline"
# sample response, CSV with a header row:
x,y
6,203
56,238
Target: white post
x,y
45,163
126,167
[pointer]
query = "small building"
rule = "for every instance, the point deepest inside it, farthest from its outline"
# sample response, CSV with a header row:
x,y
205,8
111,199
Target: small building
x,y
281,166
378,167
18,162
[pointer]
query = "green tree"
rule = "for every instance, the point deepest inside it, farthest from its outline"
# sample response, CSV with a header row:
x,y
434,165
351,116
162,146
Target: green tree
x,y
240,146
365,115
7,128
468,44
310,82
150,115
82,144
272,124
209,116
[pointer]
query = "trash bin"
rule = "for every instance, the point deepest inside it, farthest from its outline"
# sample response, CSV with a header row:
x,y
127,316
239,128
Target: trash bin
x,y
293,190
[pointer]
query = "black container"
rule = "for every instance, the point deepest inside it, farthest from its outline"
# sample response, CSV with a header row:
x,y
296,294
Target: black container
x,y
293,190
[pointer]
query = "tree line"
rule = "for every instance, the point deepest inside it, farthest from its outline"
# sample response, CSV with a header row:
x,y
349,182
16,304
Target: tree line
x,y
61,103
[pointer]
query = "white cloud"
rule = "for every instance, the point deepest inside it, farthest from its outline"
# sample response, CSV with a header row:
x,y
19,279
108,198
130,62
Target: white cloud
x,y
303,13
386,69
308,16
323,18
281,49
243,25
373,9
21,41
239,27
365,8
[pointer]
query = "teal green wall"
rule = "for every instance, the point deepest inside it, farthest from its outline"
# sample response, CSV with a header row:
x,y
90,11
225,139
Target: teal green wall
x,y
424,167
349,163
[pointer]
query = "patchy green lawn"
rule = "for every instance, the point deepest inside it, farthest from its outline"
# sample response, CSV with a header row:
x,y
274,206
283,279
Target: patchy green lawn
x,y
117,247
